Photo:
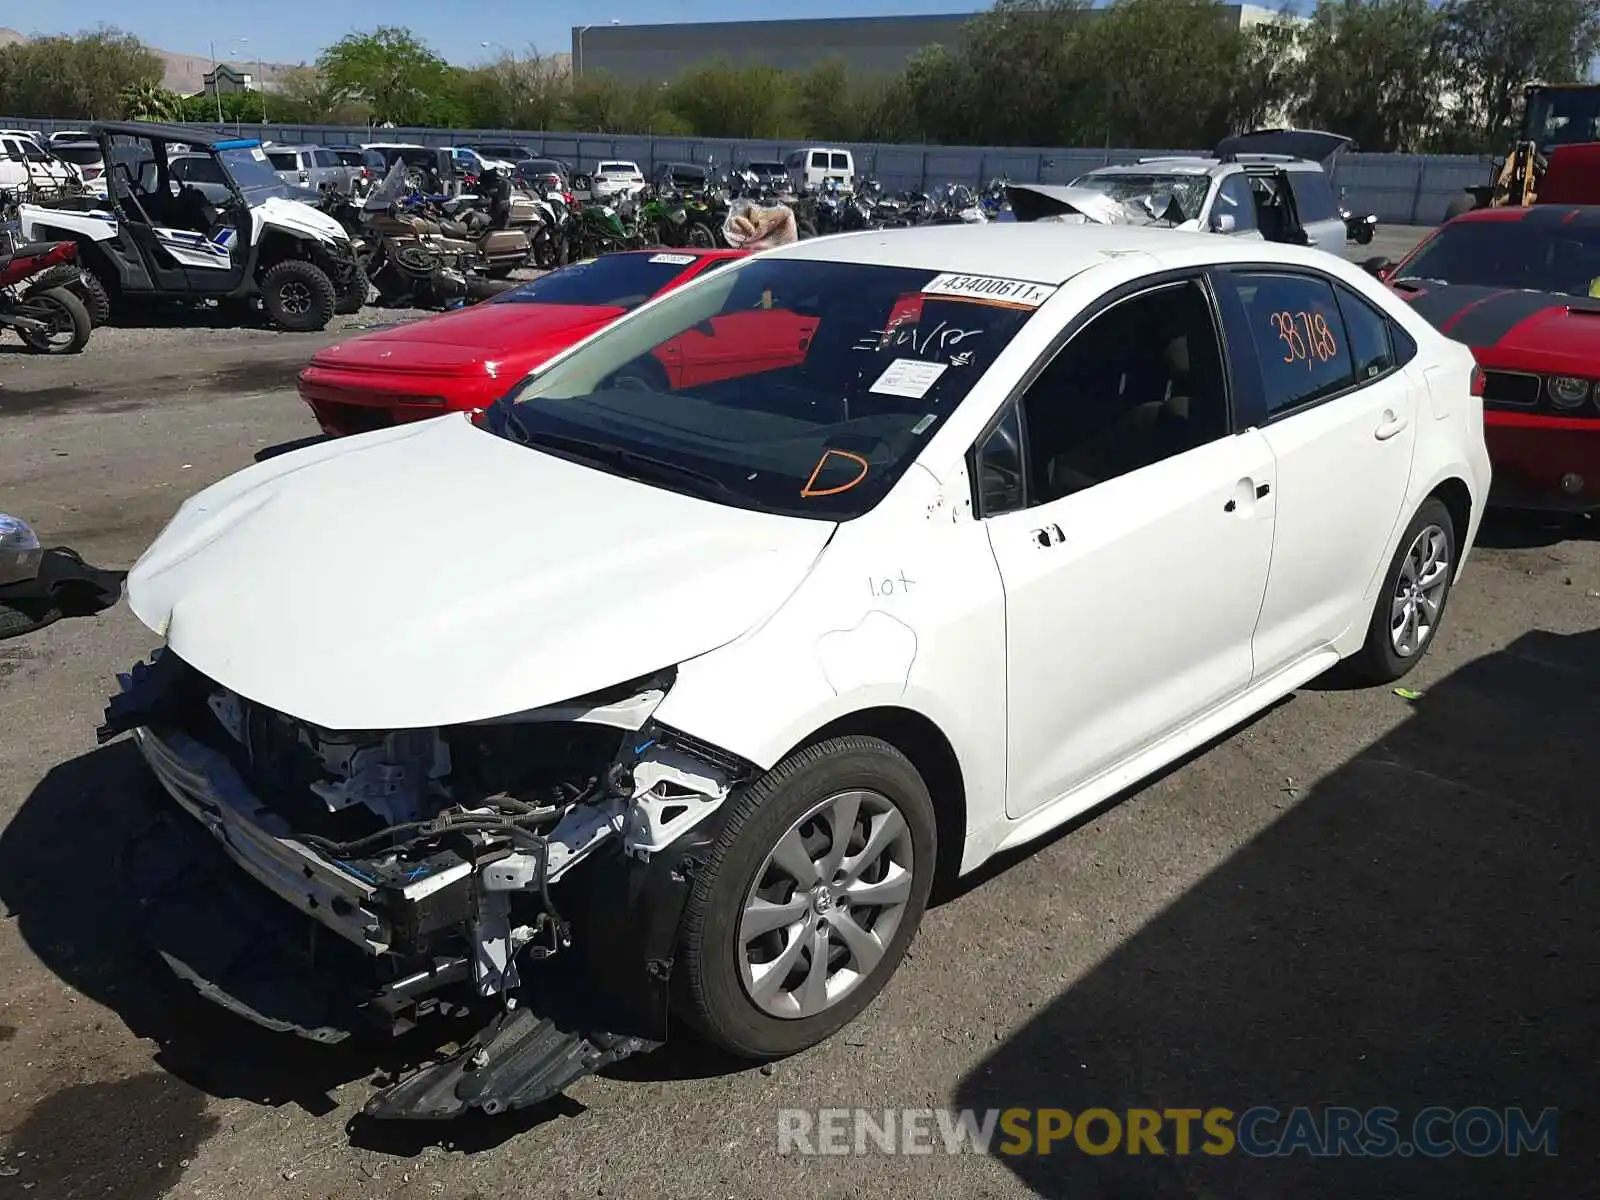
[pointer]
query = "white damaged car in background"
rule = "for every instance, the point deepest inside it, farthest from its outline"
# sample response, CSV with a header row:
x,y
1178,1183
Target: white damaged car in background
x,y
667,688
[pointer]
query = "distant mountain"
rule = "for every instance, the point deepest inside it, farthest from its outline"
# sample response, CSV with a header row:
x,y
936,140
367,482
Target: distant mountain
x,y
186,73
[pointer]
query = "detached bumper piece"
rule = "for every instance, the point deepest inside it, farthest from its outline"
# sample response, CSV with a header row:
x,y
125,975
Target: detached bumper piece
x,y
261,961
519,1060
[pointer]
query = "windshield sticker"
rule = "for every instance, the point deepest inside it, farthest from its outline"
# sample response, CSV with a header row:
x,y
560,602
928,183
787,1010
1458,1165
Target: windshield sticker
x,y
1305,336
921,426
989,288
909,377
259,154
855,461
676,260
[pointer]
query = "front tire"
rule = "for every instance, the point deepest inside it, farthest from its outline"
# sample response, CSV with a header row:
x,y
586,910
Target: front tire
x,y
69,321
1412,601
298,295
809,898
354,298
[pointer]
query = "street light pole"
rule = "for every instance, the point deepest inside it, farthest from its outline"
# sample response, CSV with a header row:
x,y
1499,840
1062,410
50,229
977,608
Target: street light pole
x,y
216,93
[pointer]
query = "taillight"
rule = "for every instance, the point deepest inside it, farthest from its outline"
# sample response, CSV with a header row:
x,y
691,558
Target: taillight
x,y
566,198
305,176
1476,387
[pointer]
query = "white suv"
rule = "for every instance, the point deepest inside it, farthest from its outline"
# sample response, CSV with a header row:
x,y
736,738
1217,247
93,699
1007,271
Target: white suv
x,y
613,178
1270,185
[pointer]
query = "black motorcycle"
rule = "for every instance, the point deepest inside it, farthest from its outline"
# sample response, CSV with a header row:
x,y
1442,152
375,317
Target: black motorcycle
x,y
1357,229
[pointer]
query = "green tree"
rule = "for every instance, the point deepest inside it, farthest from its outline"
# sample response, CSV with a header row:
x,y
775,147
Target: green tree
x,y
150,102
1500,46
1164,72
722,100
82,75
515,92
599,102
305,94
1372,69
402,80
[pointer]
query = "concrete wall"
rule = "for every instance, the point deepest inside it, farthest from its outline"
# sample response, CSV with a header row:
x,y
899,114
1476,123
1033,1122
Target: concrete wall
x,y
1400,188
866,45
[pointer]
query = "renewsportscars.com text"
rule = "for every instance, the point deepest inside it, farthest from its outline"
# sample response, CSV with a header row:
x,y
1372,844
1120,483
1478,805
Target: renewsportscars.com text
x,y
1258,1132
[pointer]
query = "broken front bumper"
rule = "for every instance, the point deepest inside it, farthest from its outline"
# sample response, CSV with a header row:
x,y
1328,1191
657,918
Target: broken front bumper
x,y
262,925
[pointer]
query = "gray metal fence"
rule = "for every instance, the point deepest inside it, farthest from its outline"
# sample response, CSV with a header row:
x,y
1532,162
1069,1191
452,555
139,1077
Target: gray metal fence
x,y
1411,189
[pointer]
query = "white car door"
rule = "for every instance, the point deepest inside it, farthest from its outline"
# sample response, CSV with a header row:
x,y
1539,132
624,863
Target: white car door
x,y
1134,572
1340,413
1233,209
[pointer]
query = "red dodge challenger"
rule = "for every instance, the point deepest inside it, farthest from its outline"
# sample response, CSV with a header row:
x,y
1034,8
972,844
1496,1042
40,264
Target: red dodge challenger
x,y
1521,286
465,360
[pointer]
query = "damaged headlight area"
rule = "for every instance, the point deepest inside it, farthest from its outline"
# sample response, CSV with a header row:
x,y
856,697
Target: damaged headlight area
x,y
529,870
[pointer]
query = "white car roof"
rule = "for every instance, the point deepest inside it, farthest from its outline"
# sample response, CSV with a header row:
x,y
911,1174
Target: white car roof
x,y
1042,252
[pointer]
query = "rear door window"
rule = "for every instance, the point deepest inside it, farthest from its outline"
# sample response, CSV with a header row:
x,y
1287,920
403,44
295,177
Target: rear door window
x,y
1299,335
1313,196
281,161
819,160
326,158
841,162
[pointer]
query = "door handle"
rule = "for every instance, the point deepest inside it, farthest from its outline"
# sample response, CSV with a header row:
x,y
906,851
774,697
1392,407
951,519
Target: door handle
x,y
1263,490
1050,535
1389,426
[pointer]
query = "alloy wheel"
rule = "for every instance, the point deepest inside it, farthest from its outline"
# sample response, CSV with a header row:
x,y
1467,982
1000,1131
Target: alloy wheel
x,y
1419,591
825,904
295,298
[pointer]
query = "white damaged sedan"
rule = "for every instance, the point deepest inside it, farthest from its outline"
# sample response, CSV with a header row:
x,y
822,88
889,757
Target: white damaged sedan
x,y
675,681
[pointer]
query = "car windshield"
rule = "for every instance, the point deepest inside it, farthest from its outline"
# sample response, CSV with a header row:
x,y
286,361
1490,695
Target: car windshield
x,y
79,154
1188,190
611,281
779,384
253,174
1532,255
1562,117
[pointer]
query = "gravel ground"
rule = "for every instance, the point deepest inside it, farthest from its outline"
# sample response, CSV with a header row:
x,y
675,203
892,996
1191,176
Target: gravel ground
x,y
1355,899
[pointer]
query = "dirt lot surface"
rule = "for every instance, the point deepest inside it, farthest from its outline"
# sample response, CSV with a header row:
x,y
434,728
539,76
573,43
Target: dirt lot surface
x,y
1357,899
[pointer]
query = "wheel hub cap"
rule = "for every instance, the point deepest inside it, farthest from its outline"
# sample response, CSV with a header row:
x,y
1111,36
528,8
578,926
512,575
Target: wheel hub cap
x,y
824,906
1419,592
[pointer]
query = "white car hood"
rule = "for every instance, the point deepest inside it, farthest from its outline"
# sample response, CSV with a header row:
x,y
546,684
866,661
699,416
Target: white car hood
x,y
299,216
435,574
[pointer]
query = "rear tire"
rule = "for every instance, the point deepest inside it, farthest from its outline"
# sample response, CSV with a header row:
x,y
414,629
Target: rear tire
x,y
354,299
826,803
1464,203
67,314
298,295
81,283
1411,603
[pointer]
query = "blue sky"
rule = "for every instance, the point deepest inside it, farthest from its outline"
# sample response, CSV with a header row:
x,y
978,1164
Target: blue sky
x,y
294,30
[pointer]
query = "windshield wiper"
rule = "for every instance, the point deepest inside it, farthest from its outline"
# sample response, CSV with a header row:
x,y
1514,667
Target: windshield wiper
x,y
642,466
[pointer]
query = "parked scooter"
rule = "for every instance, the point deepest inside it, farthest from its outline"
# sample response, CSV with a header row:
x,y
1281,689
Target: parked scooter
x,y
1357,229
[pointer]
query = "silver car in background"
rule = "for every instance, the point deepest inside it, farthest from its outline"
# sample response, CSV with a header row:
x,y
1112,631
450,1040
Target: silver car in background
x,y
309,167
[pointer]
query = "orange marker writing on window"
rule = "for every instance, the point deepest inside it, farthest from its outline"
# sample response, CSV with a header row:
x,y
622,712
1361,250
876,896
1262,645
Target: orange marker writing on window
x,y
811,489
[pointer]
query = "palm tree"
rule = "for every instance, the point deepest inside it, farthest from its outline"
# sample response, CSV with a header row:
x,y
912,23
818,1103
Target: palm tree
x,y
149,102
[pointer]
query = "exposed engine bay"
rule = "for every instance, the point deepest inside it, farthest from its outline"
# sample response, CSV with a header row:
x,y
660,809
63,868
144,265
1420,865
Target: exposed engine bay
x,y
444,860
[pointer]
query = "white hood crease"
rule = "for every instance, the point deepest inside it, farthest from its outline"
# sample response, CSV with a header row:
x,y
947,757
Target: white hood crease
x,y
435,574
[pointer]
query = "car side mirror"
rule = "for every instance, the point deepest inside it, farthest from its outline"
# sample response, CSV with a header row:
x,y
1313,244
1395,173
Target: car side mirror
x,y
1223,223
1379,267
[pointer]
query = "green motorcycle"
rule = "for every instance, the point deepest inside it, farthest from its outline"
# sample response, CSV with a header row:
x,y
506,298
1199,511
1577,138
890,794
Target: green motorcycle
x,y
600,228
672,219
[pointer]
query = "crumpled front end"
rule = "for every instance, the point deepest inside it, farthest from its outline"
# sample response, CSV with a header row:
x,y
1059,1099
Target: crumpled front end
x,y
528,872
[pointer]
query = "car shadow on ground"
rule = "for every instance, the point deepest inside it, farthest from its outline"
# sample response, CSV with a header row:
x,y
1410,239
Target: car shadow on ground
x,y
59,878
1419,929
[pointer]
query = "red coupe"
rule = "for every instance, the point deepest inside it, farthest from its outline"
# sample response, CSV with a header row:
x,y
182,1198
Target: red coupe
x,y
467,359
1521,286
